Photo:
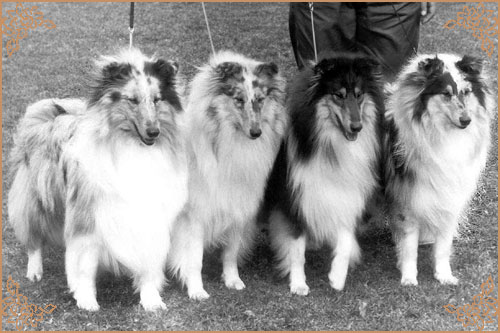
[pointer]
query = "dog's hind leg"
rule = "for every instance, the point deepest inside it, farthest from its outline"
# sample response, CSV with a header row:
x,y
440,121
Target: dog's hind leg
x,y
346,252
290,252
442,252
82,259
35,265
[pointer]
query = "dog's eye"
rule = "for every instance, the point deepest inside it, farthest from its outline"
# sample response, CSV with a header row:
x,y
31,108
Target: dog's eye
x,y
133,100
156,100
447,95
466,91
359,95
260,99
239,100
338,95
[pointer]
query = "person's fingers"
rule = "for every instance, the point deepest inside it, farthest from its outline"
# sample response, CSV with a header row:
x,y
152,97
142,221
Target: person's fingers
x,y
428,11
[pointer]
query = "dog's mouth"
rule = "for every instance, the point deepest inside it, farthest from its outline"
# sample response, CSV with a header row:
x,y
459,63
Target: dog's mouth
x,y
350,136
147,141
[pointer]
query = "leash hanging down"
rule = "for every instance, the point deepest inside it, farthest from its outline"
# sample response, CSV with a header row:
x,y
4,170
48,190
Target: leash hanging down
x,y
131,25
311,10
208,28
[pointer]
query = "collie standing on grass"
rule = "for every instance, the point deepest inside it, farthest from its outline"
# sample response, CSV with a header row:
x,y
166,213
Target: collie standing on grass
x,y
106,179
438,136
236,123
329,166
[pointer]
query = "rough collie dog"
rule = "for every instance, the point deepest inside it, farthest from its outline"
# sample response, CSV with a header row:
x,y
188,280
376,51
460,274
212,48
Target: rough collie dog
x,y
438,133
236,123
106,180
328,168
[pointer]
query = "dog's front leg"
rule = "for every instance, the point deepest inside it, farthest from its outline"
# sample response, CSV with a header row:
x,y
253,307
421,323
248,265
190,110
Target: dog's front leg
x,y
346,252
407,246
230,257
442,252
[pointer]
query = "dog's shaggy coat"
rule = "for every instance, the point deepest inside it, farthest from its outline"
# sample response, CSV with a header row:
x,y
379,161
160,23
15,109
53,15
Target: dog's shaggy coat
x,y
329,166
105,179
236,122
438,134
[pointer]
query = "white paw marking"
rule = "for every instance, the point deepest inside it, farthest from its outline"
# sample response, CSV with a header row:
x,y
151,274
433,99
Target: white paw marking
x,y
234,283
299,289
198,295
88,303
409,281
446,279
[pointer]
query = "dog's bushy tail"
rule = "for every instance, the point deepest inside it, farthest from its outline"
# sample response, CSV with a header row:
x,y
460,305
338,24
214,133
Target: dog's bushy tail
x,y
35,197
36,134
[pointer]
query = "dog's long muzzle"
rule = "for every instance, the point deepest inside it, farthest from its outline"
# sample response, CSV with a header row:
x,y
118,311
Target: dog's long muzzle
x,y
352,125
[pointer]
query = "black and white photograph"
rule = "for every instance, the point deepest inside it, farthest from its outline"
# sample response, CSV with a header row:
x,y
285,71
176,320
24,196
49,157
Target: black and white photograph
x,y
249,166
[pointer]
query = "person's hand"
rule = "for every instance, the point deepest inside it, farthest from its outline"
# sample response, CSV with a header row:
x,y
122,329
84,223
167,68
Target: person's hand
x,y
428,11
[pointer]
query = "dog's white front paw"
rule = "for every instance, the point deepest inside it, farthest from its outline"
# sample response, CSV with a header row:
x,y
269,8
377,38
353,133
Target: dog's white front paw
x,y
234,283
409,281
337,284
87,302
153,304
299,289
446,278
198,295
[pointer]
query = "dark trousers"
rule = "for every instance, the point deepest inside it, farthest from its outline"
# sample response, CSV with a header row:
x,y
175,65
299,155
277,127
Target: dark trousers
x,y
387,31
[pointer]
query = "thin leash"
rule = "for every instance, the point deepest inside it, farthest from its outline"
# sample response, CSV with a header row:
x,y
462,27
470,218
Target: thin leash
x,y
311,10
208,28
404,29
131,25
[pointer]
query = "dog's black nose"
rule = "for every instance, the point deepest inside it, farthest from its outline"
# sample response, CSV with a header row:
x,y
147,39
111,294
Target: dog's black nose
x,y
356,127
152,132
464,120
255,133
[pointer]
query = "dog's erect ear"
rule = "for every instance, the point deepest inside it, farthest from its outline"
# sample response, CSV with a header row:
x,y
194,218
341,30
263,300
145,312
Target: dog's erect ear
x,y
431,66
163,68
470,65
228,70
324,66
269,69
368,65
116,72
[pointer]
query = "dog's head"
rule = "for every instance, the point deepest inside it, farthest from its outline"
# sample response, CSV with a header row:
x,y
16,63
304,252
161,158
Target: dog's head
x,y
139,93
243,88
340,85
450,89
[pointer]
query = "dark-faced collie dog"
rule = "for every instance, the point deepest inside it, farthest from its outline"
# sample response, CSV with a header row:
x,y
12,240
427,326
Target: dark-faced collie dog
x,y
105,179
329,166
438,133
236,123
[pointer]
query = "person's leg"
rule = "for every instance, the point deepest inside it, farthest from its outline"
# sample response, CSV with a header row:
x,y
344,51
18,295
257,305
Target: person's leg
x,y
389,32
334,27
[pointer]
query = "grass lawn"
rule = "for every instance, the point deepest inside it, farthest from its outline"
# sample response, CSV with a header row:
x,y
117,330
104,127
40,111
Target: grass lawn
x,y
55,63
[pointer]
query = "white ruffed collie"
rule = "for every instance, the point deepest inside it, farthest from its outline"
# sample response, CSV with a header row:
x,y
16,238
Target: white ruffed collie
x,y
106,177
438,134
328,169
236,122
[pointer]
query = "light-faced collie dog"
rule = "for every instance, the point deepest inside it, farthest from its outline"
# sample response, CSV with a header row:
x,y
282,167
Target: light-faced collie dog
x,y
329,166
236,123
438,133
106,180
